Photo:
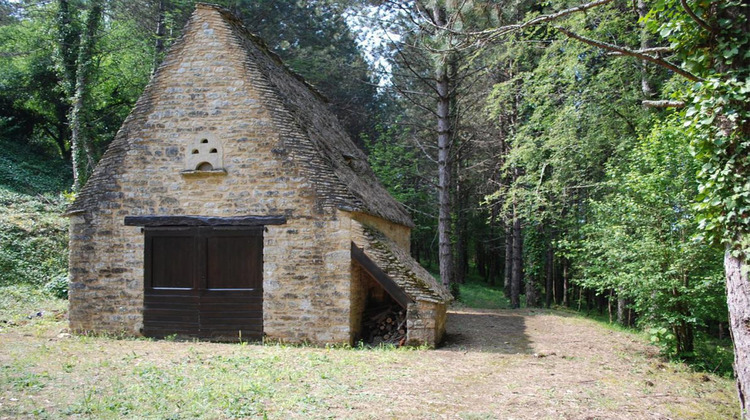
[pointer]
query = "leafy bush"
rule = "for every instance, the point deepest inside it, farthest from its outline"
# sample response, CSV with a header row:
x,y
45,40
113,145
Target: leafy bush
x,y
58,287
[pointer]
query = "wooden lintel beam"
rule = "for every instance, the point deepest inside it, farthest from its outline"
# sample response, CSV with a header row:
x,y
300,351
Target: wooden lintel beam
x,y
159,221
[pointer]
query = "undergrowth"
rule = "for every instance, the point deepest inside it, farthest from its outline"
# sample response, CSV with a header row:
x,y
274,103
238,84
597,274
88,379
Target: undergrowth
x,y
26,170
33,236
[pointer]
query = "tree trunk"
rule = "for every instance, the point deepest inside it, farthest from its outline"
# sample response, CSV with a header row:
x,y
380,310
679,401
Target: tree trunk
x,y
624,313
462,226
549,288
533,277
69,38
565,301
81,140
508,268
160,34
517,265
532,295
646,87
442,87
738,300
481,258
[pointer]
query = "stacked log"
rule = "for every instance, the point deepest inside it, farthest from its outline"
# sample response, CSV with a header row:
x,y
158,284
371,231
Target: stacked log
x,y
384,325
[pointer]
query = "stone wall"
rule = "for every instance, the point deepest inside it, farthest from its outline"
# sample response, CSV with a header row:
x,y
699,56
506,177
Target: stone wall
x,y
425,323
106,271
202,90
399,234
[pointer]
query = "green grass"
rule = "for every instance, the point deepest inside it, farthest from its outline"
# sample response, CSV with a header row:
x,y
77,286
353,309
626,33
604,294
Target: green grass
x,y
23,302
45,374
475,293
105,377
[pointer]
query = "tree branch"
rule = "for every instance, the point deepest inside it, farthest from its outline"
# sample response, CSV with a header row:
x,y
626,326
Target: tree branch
x,y
663,104
702,23
625,51
652,50
535,21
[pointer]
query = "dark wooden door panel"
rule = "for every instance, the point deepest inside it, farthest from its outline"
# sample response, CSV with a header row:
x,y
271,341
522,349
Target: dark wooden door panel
x,y
169,313
204,282
234,260
173,268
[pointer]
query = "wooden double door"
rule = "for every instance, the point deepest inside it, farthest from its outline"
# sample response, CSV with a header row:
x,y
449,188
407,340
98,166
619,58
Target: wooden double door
x,y
204,282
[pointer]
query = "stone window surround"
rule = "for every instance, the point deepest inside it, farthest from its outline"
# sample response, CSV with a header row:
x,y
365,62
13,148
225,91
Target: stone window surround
x,y
204,157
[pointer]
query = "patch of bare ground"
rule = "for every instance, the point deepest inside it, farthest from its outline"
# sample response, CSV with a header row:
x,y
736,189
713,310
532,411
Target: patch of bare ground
x,y
495,364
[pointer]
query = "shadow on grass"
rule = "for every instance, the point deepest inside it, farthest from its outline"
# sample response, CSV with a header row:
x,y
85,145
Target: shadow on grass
x,y
486,331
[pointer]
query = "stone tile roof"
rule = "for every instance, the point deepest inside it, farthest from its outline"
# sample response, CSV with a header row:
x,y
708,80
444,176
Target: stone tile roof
x,y
411,277
311,135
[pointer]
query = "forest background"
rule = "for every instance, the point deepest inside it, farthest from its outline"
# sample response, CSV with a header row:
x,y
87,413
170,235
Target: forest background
x,y
593,159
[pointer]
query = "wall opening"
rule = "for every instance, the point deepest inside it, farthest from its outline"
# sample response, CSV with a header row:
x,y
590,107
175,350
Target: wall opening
x,y
383,319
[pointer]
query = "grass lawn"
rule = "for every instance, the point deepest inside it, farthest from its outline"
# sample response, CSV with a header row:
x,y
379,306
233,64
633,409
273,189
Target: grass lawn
x,y
495,364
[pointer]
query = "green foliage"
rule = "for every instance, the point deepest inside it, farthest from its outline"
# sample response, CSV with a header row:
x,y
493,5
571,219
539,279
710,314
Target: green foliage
x,y
58,286
714,124
32,104
399,166
641,242
717,118
33,236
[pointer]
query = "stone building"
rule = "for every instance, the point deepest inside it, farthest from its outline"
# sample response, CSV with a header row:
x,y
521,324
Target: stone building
x,y
232,204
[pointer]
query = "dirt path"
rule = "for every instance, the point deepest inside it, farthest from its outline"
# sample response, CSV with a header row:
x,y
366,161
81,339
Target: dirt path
x,y
495,365
533,365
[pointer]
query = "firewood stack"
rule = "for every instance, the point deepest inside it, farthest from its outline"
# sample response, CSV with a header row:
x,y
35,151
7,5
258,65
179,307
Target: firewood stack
x,y
384,325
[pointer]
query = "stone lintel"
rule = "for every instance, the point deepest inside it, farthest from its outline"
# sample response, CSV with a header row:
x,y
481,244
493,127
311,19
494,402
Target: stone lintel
x,y
203,173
